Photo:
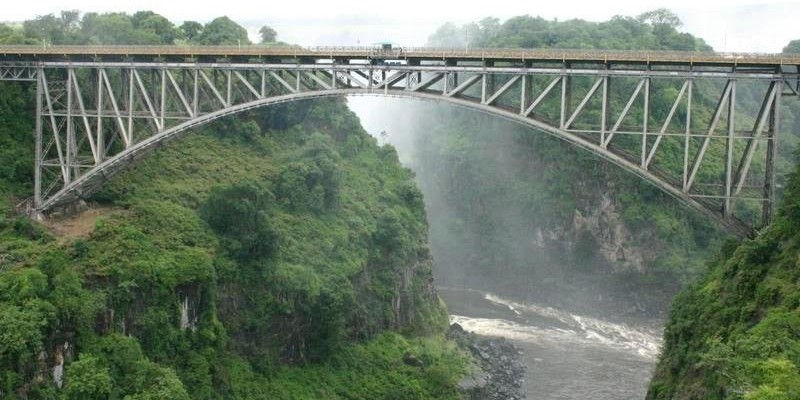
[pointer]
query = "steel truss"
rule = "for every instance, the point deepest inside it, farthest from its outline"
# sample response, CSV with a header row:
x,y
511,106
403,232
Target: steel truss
x,y
12,72
95,118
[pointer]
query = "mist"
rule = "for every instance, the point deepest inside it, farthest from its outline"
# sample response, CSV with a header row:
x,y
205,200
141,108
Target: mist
x,y
497,238
506,268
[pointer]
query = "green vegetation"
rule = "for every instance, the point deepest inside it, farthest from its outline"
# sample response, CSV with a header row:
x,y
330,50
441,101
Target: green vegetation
x,y
16,143
279,254
655,30
268,35
282,254
736,333
793,47
143,27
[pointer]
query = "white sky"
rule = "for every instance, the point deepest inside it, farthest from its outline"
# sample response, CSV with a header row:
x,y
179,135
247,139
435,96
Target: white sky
x,y
728,25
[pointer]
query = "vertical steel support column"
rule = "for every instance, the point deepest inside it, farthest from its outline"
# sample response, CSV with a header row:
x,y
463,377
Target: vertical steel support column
x,y
604,112
163,110
726,210
491,80
263,85
687,134
484,83
101,147
195,92
70,129
563,119
645,121
131,89
229,95
523,92
37,163
772,155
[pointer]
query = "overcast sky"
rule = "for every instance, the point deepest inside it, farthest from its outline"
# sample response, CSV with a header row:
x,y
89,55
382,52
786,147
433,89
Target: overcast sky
x,y
728,25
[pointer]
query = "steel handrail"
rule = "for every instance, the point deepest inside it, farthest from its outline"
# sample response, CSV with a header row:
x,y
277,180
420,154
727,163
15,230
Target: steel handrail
x,y
410,52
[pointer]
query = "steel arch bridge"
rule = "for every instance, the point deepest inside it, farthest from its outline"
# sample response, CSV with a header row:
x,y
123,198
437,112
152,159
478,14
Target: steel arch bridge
x,y
673,119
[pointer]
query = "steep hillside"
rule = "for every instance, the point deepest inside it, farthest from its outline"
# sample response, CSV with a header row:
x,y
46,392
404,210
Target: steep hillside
x,y
736,333
241,262
278,254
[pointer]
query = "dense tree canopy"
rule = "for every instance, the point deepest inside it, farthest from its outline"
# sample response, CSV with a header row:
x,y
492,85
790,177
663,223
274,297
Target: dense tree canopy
x,y
223,31
143,27
656,30
268,35
793,47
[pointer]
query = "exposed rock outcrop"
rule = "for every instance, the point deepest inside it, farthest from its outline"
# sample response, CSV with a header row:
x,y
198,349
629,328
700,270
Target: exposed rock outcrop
x,y
498,371
615,242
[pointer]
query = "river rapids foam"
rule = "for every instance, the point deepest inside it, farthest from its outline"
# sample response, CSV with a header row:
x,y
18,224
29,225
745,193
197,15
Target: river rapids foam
x,y
570,329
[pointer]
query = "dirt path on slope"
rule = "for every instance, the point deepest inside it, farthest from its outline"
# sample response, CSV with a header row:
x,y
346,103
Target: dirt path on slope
x,y
80,225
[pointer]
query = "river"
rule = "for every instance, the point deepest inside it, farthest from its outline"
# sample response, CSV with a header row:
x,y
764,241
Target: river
x,y
567,356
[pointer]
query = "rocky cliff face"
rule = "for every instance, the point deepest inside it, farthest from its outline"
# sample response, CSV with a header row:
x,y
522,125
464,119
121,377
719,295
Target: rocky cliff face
x,y
616,245
610,240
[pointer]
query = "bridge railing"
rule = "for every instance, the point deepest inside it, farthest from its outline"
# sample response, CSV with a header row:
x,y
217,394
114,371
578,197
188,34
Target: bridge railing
x,y
406,52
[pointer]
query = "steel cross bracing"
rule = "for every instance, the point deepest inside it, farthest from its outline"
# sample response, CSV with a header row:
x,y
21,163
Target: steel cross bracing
x,y
12,72
684,130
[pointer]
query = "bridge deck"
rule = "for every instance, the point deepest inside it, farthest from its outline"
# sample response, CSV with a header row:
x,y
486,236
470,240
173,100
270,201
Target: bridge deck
x,y
775,62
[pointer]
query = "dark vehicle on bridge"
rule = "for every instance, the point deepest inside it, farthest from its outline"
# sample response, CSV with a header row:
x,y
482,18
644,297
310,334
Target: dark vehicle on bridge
x,y
386,53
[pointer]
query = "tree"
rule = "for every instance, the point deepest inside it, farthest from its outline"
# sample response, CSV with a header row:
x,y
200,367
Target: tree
x,y
660,16
155,24
191,30
223,31
165,385
793,47
448,35
111,28
58,30
268,35
88,379
45,27
71,19
241,215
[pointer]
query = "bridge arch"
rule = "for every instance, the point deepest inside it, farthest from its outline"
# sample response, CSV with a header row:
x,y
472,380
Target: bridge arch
x,y
93,179
94,115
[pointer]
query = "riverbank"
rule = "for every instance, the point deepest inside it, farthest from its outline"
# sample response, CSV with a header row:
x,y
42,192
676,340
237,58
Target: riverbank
x,y
498,371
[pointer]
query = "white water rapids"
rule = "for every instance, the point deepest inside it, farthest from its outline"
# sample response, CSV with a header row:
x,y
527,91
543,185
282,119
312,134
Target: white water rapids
x,y
568,356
